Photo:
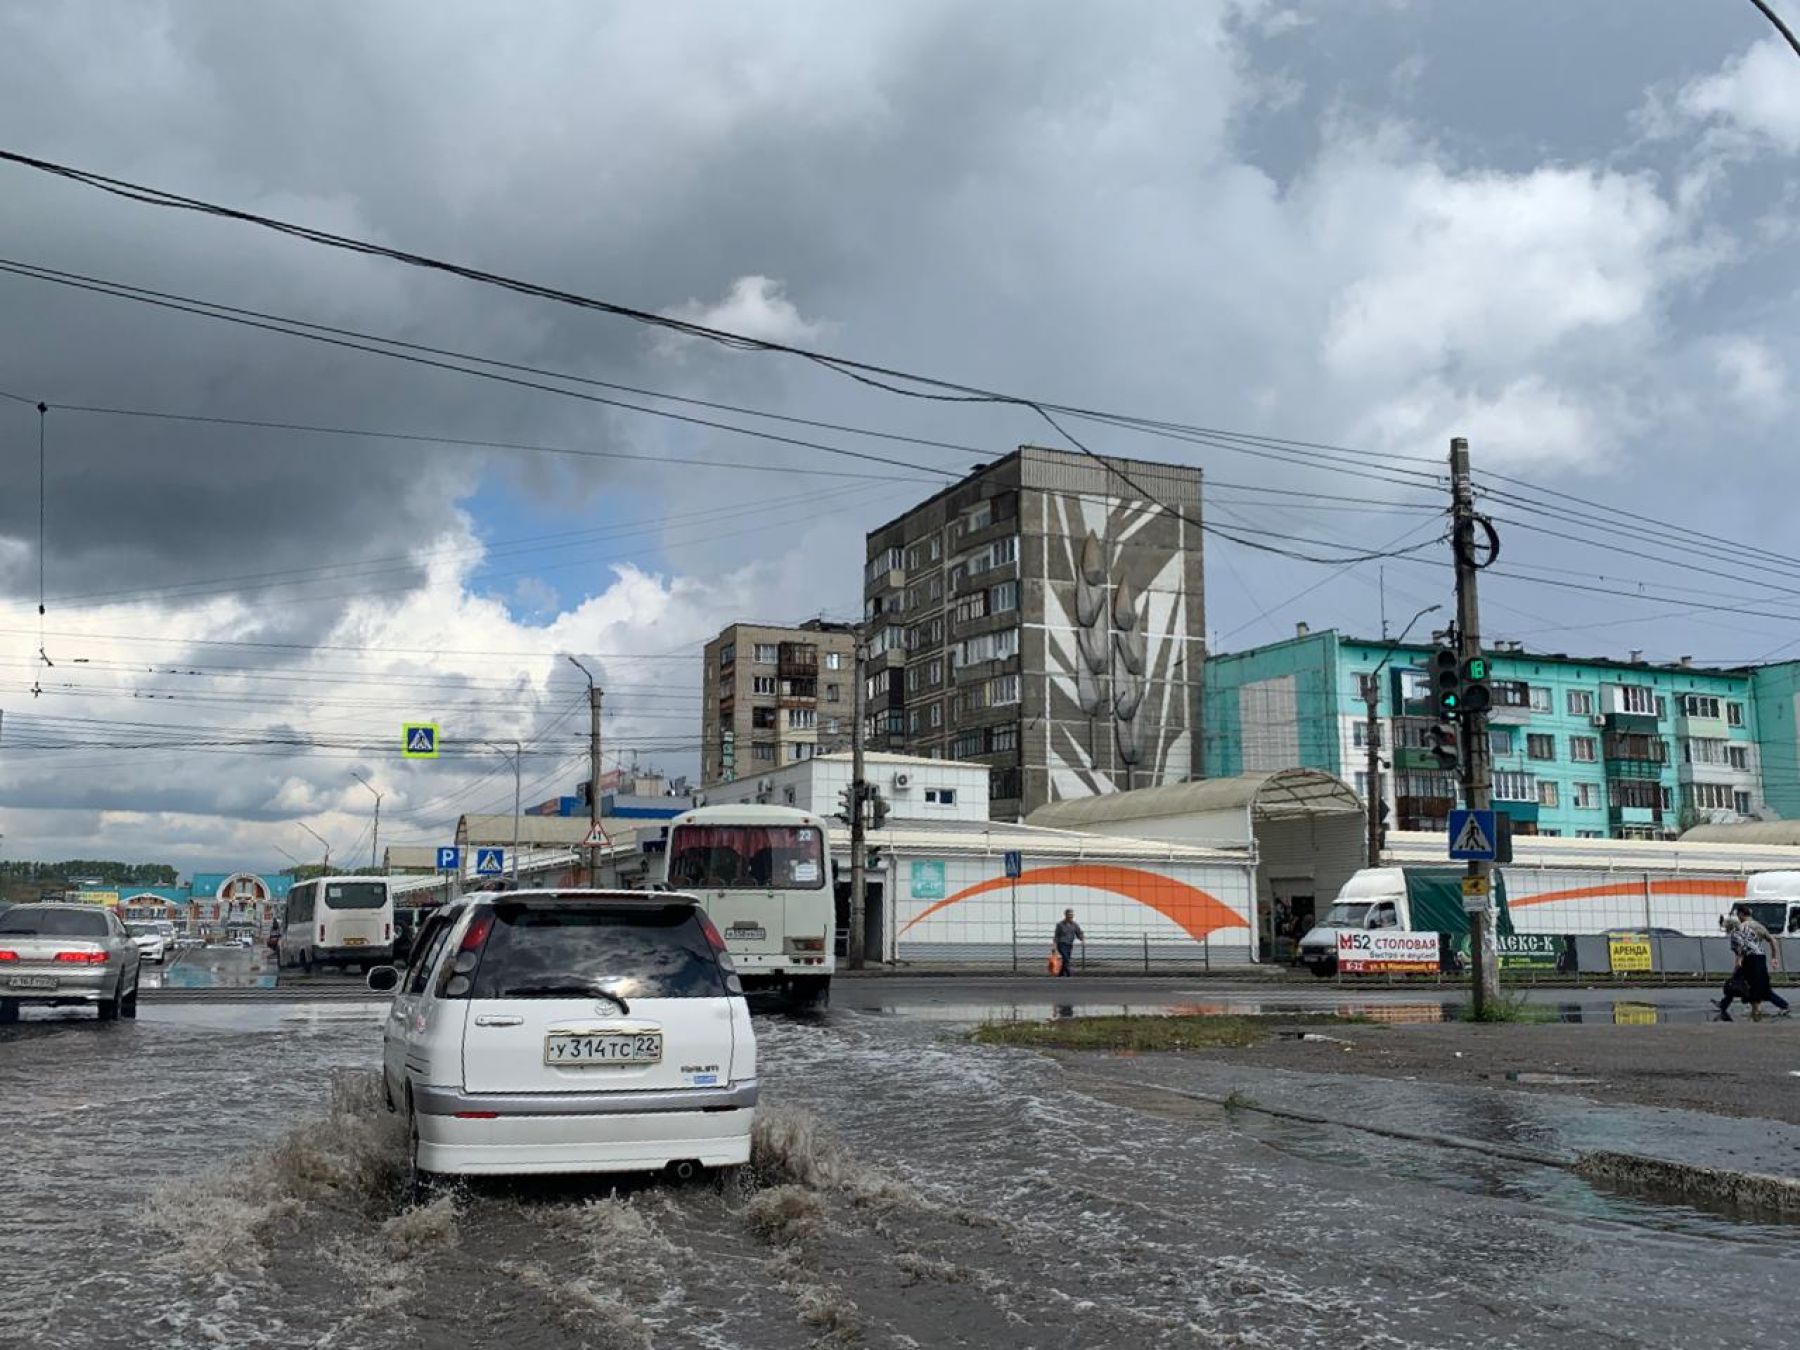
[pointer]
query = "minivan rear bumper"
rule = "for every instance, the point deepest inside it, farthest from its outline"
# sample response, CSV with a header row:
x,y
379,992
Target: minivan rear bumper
x,y
591,1141
448,1101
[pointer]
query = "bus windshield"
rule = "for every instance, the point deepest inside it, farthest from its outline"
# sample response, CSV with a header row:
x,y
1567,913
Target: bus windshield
x,y
355,895
747,857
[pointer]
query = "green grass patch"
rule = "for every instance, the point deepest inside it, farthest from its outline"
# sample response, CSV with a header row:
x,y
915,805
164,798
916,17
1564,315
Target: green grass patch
x,y
1509,1008
1153,1032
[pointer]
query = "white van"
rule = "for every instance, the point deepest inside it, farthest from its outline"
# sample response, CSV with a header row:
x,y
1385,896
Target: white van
x,y
342,921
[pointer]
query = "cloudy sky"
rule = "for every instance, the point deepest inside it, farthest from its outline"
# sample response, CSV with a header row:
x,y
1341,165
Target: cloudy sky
x,y
1563,231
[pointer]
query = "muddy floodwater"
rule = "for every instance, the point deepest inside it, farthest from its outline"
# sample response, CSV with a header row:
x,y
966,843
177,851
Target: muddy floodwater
x,y
223,1174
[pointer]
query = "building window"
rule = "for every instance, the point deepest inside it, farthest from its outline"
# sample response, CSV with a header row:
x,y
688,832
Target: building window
x,y
1740,802
727,654
1711,796
965,745
1359,734
989,647
834,660
935,673
912,722
763,751
936,548
1362,784
1703,750
914,676
1583,749
762,684
1639,699
1005,597
1738,756
1640,794
1515,787
1550,834
940,796
1004,739
763,719
1548,794
972,607
796,753
1540,747
1700,705
831,693
1587,798
1002,689
802,719
887,560
1581,703
1734,714
937,715
1540,699
766,653
1499,742
979,518
833,725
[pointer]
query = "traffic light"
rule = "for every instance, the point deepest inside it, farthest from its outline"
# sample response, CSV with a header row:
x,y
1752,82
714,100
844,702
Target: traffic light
x,y
1382,812
846,811
878,809
1446,682
1445,744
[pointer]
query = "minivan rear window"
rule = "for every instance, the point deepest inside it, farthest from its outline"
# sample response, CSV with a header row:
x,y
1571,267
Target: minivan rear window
x,y
355,895
580,950
54,922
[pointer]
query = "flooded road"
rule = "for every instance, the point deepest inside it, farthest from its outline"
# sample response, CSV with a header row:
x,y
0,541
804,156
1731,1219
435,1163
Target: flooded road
x,y
185,1181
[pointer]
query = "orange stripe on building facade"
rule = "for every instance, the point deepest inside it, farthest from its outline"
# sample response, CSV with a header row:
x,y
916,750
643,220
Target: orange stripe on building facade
x,y
1726,890
1195,911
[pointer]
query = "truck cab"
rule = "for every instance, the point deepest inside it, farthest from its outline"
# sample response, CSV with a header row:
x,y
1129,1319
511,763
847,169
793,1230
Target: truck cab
x,y
1373,898
1774,900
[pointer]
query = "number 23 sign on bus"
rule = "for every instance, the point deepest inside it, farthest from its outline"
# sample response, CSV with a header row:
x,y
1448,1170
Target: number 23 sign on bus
x,y
1387,952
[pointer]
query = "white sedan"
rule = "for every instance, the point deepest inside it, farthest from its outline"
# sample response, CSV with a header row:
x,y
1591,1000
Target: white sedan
x,y
152,942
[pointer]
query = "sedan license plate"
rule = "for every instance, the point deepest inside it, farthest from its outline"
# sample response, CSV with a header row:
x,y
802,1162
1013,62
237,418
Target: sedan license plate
x,y
603,1049
355,942
31,981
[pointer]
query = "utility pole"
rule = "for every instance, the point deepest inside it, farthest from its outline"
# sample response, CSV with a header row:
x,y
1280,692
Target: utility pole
x,y
1477,759
1371,692
859,793
375,838
595,694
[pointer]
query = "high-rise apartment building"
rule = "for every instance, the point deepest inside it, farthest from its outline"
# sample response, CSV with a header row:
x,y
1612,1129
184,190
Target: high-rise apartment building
x,y
774,696
1043,616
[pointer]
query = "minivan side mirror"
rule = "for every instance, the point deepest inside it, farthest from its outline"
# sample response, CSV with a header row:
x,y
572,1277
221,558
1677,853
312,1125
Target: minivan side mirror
x,y
384,979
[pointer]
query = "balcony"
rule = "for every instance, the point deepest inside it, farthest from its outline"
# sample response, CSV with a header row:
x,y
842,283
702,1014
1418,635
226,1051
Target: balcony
x,y
1635,815
1423,813
1634,754
1512,703
797,661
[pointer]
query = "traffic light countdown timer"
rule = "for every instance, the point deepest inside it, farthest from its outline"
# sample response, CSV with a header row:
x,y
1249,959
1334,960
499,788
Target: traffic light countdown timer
x,y
1459,689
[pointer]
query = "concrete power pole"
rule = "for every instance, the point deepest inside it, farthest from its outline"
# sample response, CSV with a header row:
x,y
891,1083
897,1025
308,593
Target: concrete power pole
x,y
1477,758
595,694
859,792
1371,692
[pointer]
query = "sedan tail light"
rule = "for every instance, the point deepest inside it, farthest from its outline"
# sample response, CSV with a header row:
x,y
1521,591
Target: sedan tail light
x,y
8,956
83,958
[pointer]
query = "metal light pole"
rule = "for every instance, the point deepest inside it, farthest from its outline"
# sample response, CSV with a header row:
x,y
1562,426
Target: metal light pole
x,y
375,838
859,791
595,694
322,839
518,754
1372,735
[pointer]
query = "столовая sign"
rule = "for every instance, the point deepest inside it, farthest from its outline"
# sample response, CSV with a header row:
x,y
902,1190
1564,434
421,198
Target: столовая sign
x,y
1387,952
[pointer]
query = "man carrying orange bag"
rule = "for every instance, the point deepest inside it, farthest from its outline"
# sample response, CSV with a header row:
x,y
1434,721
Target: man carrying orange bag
x,y
1068,933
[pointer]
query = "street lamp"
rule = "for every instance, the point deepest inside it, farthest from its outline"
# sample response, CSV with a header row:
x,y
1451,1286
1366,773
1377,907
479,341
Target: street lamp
x,y
375,838
518,754
322,839
1371,689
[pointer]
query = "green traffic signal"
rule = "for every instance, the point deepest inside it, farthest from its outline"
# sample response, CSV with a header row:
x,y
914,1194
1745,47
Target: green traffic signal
x,y
1475,668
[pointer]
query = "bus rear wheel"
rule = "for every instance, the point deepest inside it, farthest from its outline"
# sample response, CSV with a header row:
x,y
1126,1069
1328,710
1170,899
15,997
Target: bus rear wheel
x,y
809,991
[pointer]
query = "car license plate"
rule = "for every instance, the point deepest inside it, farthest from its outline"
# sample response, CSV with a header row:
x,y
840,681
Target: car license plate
x,y
746,932
31,981
355,942
627,1049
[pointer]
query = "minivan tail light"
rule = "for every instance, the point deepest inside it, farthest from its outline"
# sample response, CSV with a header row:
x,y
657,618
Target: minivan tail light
x,y
714,938
476,935
387,932
321,932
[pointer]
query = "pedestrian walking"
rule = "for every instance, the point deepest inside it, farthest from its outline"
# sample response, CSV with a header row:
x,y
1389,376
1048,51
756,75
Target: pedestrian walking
x,y
1748,921
1068,933
1749,980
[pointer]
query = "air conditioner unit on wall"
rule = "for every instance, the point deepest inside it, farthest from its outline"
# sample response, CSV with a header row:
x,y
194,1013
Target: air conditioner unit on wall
x,y
1597,720
902,781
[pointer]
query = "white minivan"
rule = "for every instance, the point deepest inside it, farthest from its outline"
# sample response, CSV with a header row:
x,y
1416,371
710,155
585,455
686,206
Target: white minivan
x,y
340,921
570,1031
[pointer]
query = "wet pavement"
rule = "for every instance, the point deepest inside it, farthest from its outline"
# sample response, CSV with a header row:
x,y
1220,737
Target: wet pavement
x,y
179,1182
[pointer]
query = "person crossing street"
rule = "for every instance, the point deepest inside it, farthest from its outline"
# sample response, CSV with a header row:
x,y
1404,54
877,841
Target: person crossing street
x,y
1068,933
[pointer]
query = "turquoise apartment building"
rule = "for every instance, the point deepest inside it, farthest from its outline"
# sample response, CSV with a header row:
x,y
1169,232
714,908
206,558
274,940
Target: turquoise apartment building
x,y
1583,747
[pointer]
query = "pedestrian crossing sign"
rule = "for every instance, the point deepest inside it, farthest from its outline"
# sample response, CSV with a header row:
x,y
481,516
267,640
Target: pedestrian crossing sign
x,y
490,862
1472,836
419,740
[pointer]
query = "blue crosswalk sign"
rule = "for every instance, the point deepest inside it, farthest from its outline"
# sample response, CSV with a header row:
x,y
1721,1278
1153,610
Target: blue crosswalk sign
x,y
450,859
490,862
1473,835
419,740
1015,862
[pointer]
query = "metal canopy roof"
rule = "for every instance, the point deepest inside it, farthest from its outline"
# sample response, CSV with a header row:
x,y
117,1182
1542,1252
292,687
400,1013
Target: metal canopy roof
x,y
1283,793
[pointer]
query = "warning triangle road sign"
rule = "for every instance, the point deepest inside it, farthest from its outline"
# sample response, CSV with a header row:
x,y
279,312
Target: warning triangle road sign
x,y
1471,838
596,838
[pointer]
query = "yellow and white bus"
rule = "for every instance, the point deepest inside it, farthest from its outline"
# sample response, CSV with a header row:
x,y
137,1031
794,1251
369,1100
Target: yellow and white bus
x,y
763,874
